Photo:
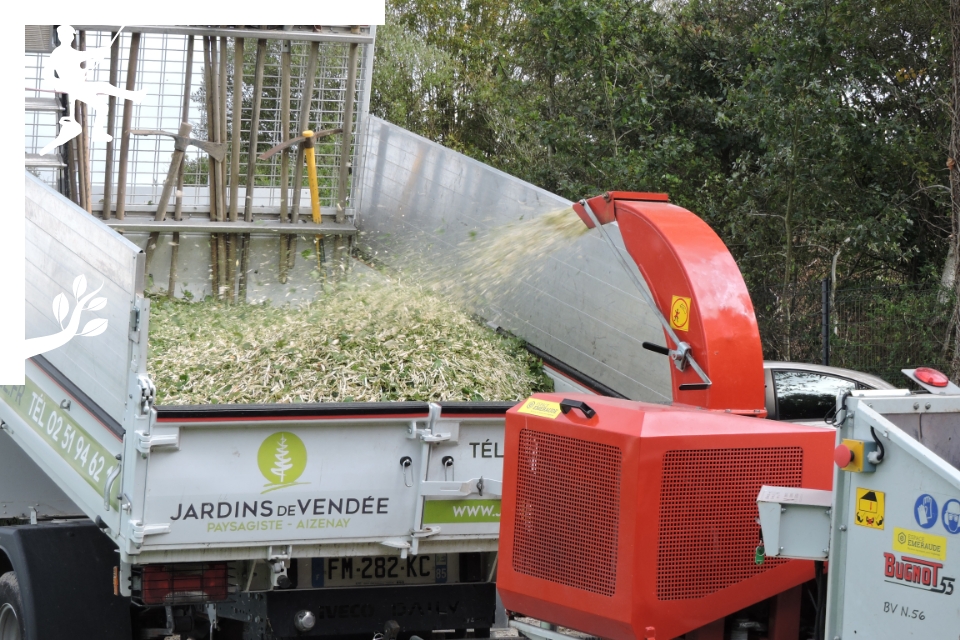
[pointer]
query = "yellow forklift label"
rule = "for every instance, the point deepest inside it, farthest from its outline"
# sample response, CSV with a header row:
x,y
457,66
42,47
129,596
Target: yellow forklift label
x,y
542,408
919,544
680,313
869,511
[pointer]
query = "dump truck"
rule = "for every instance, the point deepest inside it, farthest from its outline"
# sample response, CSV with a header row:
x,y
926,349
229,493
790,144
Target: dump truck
x,y
280,519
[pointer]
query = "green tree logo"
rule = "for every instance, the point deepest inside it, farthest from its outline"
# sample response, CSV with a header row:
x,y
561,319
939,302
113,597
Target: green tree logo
x,y
282,458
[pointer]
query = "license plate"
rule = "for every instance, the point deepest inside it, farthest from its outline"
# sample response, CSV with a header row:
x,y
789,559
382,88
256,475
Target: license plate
x,y
384,570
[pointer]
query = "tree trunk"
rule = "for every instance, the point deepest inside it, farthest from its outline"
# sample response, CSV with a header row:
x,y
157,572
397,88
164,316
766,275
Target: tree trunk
x,y
952,164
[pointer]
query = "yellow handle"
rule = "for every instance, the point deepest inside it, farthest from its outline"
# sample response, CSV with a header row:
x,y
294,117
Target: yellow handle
x,y
312,174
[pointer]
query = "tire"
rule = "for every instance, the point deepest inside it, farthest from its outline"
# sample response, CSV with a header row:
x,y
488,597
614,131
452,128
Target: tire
x,y
11,609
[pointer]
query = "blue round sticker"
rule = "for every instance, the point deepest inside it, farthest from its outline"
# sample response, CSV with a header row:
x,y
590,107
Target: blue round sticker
x,y
951,516
925,511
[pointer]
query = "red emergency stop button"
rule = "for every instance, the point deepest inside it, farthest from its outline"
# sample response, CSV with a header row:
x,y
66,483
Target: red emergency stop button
x,y
842,455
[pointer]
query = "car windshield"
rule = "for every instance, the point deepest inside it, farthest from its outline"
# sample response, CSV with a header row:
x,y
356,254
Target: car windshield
x,y
804,395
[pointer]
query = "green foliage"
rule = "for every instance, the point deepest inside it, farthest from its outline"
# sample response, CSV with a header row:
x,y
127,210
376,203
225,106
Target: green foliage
x,y
797,129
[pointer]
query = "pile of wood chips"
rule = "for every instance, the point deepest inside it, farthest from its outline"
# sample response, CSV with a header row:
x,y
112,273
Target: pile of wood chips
x,y
366,343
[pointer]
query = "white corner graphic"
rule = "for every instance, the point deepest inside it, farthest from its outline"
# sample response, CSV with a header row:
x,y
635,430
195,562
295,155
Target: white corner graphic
x,y
71,78
61,308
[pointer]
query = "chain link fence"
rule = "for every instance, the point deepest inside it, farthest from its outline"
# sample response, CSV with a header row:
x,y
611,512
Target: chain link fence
x,y
877,330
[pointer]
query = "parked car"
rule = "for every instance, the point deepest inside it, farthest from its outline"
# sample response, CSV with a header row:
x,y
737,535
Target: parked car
x,y
805,392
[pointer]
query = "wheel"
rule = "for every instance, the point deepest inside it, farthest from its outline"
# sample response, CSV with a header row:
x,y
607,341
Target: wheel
x,y
11,611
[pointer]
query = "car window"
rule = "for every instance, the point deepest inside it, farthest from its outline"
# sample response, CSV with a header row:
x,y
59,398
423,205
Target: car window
x,y
804,395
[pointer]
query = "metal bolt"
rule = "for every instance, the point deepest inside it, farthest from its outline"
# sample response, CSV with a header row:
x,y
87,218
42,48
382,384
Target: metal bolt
x,y
843,527
927,406
916,405
781,549
783,509
826,552
257,619
304,620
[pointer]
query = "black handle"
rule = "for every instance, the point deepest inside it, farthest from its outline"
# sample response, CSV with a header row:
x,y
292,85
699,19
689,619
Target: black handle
x,y
649,346
566,405
694,386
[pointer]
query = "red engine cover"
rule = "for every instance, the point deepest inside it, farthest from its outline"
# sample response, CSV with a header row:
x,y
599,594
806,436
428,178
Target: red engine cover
x,y
645,515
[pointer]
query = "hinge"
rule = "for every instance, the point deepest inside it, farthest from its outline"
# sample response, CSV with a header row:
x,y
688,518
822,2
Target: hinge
x,y
135,319
141,531
148,394
148,441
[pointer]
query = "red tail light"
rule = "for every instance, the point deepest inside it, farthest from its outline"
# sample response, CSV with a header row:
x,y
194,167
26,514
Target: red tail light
x,y
931,377
193,583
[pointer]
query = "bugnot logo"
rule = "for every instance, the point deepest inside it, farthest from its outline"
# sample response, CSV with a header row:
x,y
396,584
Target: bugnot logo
x,y
282,459
916,573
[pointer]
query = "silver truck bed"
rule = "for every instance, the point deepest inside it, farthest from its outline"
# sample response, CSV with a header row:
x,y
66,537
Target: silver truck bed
x,y
259,482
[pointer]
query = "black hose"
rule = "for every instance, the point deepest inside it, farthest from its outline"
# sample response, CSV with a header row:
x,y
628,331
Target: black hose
x,y
879,445
821,619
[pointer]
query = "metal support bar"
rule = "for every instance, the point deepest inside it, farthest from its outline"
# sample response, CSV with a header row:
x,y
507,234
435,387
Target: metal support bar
x,y
325,34
306,98
111,116
125,131
825,321
346,144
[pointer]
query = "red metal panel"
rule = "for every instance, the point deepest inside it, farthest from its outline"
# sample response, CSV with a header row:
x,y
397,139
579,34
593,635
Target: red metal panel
x,y
695,560
581,527
717,449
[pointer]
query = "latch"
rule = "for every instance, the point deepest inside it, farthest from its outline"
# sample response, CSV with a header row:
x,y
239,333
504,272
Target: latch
x,y
148,394
279,560
476,486
405,546
429,434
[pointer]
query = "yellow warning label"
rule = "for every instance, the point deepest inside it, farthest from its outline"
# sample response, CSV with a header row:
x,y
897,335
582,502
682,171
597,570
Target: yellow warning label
x,y
919,544
869,509
680,313
542,408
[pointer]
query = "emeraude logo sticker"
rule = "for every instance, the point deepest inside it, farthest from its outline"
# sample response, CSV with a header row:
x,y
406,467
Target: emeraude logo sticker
x,y
282,459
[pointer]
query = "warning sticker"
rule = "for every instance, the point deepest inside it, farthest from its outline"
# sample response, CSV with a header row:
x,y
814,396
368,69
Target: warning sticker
x,y
869,509
920,544
680,313
542,408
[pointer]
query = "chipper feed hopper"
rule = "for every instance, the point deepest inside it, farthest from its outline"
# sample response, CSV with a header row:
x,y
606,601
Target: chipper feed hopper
x,y
628,520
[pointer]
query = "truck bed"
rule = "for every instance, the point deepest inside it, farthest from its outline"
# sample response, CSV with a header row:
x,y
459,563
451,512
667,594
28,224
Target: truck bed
x,y
257,483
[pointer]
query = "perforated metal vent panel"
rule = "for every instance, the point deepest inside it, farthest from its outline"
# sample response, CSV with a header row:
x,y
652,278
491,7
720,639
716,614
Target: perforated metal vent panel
x,y
568,511
708,513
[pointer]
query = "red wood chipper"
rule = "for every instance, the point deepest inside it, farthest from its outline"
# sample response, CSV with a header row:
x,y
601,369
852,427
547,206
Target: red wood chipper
x,y
629,520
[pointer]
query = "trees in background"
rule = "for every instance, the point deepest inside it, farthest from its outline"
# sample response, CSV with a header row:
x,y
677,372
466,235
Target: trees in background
x,y
799,129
